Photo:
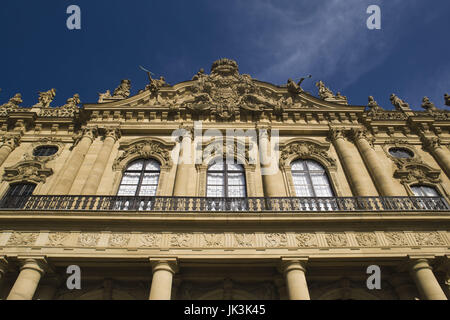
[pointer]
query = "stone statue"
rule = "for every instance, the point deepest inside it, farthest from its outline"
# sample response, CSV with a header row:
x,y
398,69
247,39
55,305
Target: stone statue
x,y
199,74
373,105
73,102
324,92
45,98
103,96
447,99
13,103
123,90
399,104
296,88
428,105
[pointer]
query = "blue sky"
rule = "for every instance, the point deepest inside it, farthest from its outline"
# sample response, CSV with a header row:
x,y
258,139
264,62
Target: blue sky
x,y
271,40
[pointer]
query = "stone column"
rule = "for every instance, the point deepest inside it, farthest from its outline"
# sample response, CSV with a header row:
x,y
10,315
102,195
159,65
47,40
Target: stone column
x,y
64,184
31,271
184,179
48,287
426,282
380,175
3,268
97,170
163,271
357,181
403,286
9,144
294,272
271,175
439,152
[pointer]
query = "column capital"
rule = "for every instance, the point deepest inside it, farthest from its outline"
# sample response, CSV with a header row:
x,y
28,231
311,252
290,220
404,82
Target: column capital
x,y
113,132
418,263
38,264
11,141
431,144
294,263
166,264
357,134
336,134
86,132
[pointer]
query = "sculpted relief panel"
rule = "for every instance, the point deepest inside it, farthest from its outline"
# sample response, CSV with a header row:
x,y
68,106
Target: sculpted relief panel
x,y
187,240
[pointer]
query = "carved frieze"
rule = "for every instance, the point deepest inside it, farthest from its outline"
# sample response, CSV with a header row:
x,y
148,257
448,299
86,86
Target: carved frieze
x,y
275,240
120,240
244,240
429,239
366,239
151,240
336,239
181,240
57,239
88,239
397,239
212,240
23,238
305,240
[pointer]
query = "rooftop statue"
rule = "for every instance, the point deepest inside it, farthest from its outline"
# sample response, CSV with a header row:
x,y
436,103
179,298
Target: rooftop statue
x,y
199,75
399,104
326,94
123,90
428,105
296,88
45,98
13,103
73,102
103,96
447,99
373,105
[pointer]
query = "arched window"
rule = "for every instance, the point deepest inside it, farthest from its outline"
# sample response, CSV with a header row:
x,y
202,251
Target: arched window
x,y
310,179
424,191
140,178
226,180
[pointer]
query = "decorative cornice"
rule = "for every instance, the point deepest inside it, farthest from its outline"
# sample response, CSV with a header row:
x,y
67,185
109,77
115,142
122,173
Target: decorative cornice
x,y
306,149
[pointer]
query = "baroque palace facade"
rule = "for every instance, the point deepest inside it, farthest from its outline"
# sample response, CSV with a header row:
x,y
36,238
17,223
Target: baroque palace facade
x,y
146,213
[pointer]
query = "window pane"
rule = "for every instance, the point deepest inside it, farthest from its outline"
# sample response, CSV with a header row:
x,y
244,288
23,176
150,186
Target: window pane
x,y
303,191
127,190
216,178
297,165
217,167
236,191
234,167
300,178
150,178
152,165
215,191
236,179
137,165
131,178
314,166
424,191
148,190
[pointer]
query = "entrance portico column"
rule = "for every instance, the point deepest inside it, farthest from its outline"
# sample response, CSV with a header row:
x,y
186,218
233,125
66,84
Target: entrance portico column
x,y
163,272
439,152
9,144
31,271
426,282
3,267
294,271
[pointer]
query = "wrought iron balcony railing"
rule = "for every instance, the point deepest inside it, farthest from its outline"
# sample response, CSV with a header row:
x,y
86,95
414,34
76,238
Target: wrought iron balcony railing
x,y
202,204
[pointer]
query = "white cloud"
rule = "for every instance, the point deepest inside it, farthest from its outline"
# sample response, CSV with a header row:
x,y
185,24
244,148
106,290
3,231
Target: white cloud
x,y
328,39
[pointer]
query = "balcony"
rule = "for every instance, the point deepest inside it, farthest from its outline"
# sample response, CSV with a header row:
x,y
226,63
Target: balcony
x,y
203,204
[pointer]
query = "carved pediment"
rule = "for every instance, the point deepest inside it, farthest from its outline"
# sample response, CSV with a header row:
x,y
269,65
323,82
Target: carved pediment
x,y
28,170
417,172
144,148
306,149
225,149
